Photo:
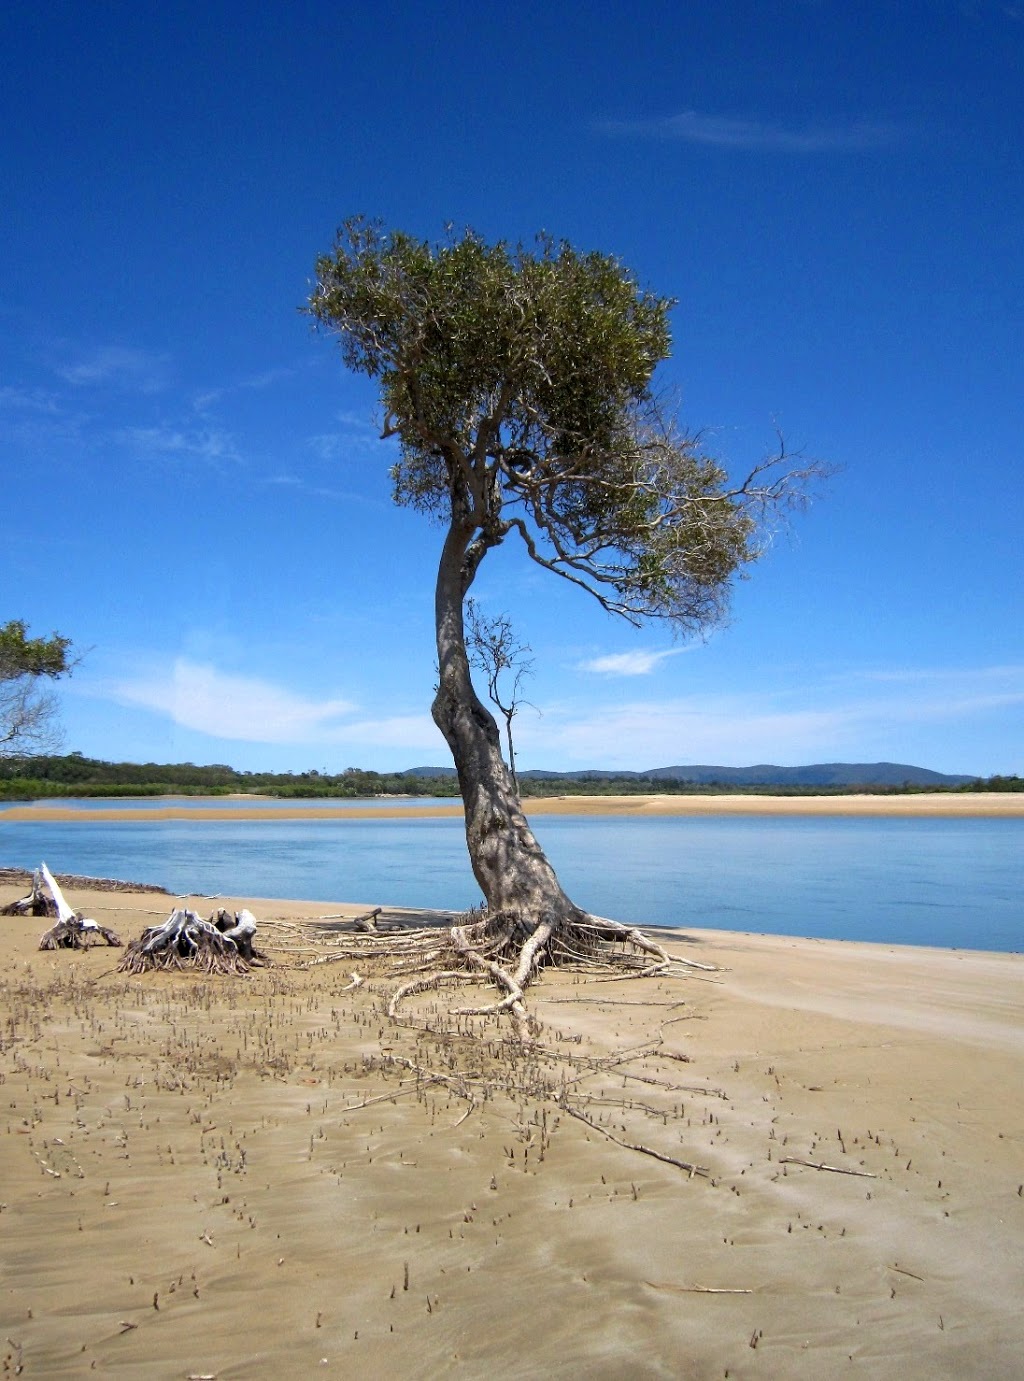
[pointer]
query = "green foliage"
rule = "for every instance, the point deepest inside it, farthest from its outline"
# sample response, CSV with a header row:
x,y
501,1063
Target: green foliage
x,y
33,778
37,778
519,383
997,783
28,713
21,655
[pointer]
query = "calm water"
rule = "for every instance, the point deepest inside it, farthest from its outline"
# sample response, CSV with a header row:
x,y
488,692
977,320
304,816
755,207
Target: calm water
x,y
954,883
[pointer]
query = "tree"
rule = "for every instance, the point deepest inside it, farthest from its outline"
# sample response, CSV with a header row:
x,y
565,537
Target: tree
x,y
495,650
518,381
28,708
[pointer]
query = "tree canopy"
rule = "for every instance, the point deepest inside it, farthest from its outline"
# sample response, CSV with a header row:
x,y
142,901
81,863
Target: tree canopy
x,y
519,383
27,709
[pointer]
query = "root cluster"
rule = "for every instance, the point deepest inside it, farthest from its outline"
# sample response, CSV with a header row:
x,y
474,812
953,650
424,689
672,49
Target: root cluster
x,y
507,951
223,944
73,930
77,932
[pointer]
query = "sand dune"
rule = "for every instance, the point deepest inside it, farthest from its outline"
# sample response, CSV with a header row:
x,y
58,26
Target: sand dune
x,y
263,1177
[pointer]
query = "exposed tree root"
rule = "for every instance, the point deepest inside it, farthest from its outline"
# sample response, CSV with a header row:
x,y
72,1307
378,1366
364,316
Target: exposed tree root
x,y
223,944
39,902
507,953
73,930
77,932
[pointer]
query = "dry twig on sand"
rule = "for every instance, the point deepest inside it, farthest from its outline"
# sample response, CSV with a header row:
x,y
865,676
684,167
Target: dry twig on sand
x,y
686,1165
820,1165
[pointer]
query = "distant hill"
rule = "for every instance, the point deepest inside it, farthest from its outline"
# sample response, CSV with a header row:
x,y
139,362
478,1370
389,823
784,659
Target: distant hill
x,y
888,774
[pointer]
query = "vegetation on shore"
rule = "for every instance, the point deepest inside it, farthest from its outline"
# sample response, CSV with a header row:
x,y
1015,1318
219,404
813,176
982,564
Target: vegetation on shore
x,y
72,774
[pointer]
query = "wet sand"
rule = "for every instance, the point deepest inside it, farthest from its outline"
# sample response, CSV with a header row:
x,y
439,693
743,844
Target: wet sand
x,y
927,805
264,1177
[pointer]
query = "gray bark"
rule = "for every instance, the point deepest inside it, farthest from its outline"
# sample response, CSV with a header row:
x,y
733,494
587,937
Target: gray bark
x,y
511,868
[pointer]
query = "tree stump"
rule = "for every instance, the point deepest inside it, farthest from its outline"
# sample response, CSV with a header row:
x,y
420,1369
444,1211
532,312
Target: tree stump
x,y
36,903
77,932
223,944
73,930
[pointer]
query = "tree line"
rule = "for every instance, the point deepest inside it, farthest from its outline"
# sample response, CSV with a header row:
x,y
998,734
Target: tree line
x,y
73,774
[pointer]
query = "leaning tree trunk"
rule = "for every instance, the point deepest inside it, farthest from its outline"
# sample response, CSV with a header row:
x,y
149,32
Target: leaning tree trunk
x,y
518,882
529,920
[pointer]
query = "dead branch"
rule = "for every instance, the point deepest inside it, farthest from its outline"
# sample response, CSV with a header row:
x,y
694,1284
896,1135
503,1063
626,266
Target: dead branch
x,y
904,1272
686,1165
820,1165
696,1289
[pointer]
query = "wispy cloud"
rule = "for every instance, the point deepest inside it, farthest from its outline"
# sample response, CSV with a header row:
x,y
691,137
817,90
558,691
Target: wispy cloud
x,y
30,400
731,132
867,717
117,366
660,733
974,678
637,663
207,398
352,438
208,445
198,696
298,485
415,732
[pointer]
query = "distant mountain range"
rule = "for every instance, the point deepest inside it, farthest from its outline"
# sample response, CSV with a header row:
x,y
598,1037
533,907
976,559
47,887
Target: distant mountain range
x,y
763,774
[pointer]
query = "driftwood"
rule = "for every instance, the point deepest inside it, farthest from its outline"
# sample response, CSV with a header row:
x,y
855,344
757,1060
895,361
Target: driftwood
x,y
78,932
73,930
223,944
239,928
94,884
820,1165
36,903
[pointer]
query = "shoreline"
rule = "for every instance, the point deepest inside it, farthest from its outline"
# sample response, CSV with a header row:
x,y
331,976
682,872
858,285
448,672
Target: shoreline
x,y
938,805
262,1177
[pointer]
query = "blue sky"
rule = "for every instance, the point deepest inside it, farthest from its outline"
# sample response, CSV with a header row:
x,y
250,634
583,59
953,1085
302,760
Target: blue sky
x,y
194,488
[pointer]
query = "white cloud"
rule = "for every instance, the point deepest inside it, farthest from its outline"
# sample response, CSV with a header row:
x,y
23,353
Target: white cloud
x,y
645,734
27,400
117,366
415,732
637,663
209,397
299,485
205,445
729,132
864,717
198,696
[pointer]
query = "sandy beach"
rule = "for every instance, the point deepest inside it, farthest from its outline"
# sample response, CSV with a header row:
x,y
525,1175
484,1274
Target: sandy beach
x,y
265,1177
987,804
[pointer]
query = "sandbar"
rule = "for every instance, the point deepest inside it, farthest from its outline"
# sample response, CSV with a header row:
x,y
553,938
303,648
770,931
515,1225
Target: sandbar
x,y
265,1177
982,804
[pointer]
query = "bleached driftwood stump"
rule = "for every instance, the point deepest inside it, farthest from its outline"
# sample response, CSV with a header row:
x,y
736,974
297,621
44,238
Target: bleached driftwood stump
x,y
73,930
